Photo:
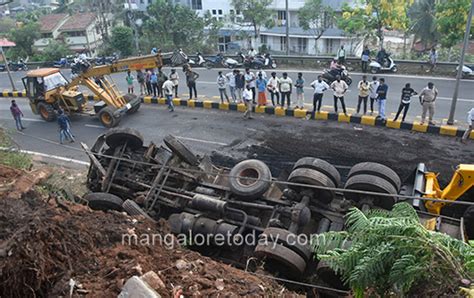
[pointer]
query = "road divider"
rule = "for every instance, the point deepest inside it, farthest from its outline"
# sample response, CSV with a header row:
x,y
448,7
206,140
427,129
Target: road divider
x,y
447,130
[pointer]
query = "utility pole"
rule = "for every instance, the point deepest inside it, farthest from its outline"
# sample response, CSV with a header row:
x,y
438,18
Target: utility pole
x,y
461,64
131,19
8,68
287,23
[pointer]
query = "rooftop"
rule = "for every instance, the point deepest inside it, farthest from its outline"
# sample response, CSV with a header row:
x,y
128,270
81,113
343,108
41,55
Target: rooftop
x,y
79,21
49,22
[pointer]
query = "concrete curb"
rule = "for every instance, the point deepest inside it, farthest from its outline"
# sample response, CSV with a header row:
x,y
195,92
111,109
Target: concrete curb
x,y
447,130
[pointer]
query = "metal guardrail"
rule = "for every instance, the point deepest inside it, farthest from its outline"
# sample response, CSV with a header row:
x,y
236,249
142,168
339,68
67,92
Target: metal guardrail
x,y
292,58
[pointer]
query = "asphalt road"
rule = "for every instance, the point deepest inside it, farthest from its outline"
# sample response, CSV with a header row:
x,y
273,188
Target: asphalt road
x,y
228,138
207,89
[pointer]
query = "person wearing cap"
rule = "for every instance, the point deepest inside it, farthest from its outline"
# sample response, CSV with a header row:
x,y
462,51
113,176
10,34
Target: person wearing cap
x,y
427,100
174,77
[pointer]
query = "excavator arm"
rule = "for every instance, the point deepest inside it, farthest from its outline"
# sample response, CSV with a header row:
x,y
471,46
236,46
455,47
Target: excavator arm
x,y
461,182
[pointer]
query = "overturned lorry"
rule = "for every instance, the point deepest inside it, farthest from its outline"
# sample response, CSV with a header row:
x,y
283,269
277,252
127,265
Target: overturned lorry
x,y
227,205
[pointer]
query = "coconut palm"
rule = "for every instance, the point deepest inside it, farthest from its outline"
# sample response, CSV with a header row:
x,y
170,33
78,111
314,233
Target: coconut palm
x,y
422,16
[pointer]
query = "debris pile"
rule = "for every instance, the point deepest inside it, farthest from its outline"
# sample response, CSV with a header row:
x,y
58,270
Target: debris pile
x,y
55,248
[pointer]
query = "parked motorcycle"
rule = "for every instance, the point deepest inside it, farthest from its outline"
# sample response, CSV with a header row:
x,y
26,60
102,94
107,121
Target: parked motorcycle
x,y
329,75
198,61
105,59
15,66
216,61
257,62
232,63
61,63
388,66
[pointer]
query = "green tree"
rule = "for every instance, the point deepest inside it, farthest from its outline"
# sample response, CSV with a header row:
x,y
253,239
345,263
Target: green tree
x,y
257,13
55,50
122,40
315,17
212,26
24,37
451,18
392,252
373,16
422,16
170,26
6,24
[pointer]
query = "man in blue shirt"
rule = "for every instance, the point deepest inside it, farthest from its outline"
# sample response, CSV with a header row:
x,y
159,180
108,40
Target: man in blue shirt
x,y
64,127
382,98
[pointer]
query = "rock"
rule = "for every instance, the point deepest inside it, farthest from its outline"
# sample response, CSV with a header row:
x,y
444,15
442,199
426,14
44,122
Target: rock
x,y
153,280
182,264
135,287
138,269
219,283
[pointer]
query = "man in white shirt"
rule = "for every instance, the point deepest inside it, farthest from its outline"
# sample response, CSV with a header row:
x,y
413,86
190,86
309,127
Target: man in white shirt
x,y
272,88
168,88
286,85
319,87
250,80
252,53
222,86
174,77
247,96
340,87
373,86
232,86
470,122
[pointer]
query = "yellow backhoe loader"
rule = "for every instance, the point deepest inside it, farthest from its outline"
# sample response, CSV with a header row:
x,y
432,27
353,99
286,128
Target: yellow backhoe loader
x,y
48,90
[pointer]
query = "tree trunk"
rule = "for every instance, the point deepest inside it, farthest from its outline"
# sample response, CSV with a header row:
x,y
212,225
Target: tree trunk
x,y
405,45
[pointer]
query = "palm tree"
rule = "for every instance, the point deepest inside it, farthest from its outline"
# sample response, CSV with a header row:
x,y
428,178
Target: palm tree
x,y
422,16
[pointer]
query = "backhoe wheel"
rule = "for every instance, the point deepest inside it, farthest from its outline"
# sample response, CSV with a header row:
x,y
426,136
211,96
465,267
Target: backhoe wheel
x,y
371,183
119,136
46,111
131,97
320,166
250,179
183,152
106,117
312,177
376,169
104,201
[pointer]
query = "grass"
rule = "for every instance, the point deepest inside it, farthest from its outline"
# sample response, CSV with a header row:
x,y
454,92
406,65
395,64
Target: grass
x,y
12,158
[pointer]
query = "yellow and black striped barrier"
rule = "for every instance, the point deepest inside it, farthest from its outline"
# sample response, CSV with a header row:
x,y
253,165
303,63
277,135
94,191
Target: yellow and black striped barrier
x,y
448,130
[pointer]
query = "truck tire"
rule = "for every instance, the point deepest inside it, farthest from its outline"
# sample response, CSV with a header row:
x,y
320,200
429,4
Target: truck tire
x,y
119,136
133,209
373,184
259,183
288,239
320,166
104,201
107,118
469,222
46,111
287,258
178,148
376,169
312,177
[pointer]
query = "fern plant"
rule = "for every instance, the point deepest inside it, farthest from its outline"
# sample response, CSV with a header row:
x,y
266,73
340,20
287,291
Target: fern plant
x,y
392,252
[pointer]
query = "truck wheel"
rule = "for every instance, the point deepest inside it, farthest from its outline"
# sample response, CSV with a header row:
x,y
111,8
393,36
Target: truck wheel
x,y
107,118
133,209
288,239
259,181
376,169
312,177
284,256
46,111
320,166
371,183
104,201
181,150
119,136
469,222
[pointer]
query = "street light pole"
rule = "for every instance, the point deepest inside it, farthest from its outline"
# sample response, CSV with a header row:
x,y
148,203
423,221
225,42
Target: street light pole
x,y
461,64
8,69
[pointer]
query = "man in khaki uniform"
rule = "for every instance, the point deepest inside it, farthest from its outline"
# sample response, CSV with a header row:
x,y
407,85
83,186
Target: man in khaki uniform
x,y
427,100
